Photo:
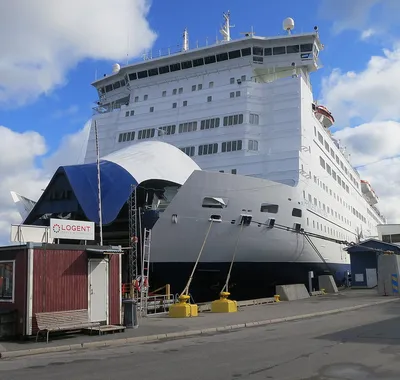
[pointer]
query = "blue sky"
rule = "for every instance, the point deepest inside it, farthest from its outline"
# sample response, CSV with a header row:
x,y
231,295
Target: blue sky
x,y
52,51
65,109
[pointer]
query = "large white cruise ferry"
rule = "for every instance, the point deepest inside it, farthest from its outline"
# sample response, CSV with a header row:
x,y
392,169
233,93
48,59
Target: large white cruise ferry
x,y
244,111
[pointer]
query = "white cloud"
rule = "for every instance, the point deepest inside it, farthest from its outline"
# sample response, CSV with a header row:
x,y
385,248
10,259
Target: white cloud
x,y
368,101
41,40
364,16
20,153
368,33
371,94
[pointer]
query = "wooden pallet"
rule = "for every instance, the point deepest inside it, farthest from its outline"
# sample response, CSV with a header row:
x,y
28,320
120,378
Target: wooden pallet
x,y
106,329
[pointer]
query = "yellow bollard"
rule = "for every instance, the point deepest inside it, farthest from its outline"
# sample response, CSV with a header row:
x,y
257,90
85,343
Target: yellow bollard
x,y
183,309
277,298
223,305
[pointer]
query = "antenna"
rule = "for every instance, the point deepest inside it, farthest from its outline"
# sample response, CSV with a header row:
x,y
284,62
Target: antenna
x,y
185,45
248,34
288,25
99,182
225,30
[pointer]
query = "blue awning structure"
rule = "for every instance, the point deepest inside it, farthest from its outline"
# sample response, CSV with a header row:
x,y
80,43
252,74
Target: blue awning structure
x,y
373,245
75,187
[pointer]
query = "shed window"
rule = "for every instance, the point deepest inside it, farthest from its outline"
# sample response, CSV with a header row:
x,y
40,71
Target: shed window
x,y
268,207
7,280
296,212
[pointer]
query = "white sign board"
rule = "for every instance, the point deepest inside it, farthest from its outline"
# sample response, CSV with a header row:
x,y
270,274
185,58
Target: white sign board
x,y
71,229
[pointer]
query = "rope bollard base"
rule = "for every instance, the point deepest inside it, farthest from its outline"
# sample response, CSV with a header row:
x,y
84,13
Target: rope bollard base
x,y
182,309
224,305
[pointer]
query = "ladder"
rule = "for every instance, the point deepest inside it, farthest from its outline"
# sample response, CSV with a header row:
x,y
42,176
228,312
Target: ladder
x,y
144,288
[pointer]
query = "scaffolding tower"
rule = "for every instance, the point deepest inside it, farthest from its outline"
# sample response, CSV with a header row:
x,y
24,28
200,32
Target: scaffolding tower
x,y
133,241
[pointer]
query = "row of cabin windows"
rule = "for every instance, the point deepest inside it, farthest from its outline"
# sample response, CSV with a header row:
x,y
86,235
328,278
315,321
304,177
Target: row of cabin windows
x,y
335,157
329,230
217,202
374,217
332,173
147,133
233,54
337,198
325,209
227,146
192,127
341,183
184,103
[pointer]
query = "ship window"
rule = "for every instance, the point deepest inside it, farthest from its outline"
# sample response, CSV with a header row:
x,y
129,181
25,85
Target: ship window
x,y
151,109
126,113
253,145
337,160
117,85
214,202
211,85
254,119
234,171
332,153
174,105
145,97
278,50
232,95
189,150
209,99
186,65
258,59
246,51
163,69
199,87
222,57
320,138
153,72
194,87
122,82
322,162
136,99
268,51
109,88
326,146
209,59
291,49
328,169
132,112
174,91
304,48
257,50
347,188
198,62
232,80
237,93
180,90
234,54
175,67
334,175
132,76
208,149
185,103
270,208
142,74
120,137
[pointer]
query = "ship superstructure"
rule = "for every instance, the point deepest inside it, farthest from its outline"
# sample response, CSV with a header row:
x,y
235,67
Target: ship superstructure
x,y
243,107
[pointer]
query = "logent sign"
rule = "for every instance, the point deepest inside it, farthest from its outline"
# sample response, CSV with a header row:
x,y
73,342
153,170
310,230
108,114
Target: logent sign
x,y
71,229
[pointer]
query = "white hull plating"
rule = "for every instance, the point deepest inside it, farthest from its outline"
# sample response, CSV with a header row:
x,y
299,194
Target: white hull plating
x,y
179,239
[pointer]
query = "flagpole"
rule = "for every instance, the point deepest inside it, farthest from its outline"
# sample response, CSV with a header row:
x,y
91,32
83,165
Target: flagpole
x,y
99,183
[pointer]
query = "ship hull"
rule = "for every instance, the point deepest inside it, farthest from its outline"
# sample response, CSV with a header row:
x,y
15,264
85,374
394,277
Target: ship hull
x,y
264,255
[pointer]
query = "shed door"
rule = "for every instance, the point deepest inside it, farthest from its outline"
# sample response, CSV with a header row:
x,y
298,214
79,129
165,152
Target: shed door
x,y
371,277
98,290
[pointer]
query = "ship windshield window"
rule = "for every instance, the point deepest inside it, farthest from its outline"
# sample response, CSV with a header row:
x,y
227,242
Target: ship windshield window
x,y
268,51
163,69
117,85
257,50
186,65
198,62
122,82
296,212
278,50
109,88
234,54
142,74
175,67
246,51
304,48
270,208
153,72
132,76
292,49
214,202
209,59
222,57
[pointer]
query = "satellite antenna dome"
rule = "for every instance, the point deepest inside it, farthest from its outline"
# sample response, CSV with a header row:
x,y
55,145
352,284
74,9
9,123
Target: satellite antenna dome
x,y
288,24
116,67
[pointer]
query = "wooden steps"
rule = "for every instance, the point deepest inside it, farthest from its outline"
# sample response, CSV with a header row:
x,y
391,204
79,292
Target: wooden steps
x,y
107,329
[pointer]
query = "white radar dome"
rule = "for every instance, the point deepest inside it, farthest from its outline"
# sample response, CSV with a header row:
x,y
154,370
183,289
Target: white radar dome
x,y
288,24
116,67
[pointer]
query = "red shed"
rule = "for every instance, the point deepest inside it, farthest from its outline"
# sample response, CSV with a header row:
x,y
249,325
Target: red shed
x,y
52,277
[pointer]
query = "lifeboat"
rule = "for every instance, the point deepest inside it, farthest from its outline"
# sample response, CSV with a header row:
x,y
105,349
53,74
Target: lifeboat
x,y
369,193
323,115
